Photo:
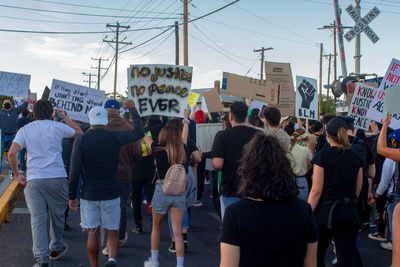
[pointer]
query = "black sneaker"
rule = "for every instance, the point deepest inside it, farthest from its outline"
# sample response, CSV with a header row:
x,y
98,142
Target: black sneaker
x,y
137,230
172,248
55,255
110,264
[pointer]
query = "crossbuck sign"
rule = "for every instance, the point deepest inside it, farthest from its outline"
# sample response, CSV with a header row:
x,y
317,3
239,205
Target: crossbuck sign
x,y
362,24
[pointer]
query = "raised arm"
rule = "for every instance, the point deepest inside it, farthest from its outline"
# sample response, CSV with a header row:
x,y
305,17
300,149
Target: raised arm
x,y
185,131
126,137
69,122
383,149
24,106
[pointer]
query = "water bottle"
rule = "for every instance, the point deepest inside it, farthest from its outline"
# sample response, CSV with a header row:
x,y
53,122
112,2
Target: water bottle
x,y
11,174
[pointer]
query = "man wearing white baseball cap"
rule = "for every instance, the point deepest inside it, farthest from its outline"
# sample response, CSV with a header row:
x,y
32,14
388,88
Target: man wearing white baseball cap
x,y
95,156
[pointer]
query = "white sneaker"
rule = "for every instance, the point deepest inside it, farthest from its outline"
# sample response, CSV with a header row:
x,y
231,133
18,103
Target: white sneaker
x,y
105,251
150,263
387,245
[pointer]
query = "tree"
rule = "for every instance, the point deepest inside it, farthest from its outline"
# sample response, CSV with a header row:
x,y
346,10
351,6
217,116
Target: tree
x,y
331,105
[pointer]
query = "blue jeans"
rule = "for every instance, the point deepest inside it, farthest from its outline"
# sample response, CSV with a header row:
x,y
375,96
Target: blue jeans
x,y
6,142
390,209
21,159
303,190
226,202
185,223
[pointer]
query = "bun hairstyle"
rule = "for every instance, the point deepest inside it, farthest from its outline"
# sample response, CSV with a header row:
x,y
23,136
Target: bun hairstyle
x,y
336,129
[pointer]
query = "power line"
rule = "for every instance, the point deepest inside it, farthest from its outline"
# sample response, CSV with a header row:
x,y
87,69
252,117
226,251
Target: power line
x,y
219,52
161,42
275,24
56,21
324,3
76,13
227,51
98,7
145,42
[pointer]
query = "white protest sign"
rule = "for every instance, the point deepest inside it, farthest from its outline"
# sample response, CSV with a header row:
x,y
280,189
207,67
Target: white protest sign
x,y
306,98
204,107
257,104
392,97
32,100
392,78
362,98
160,89
76,100
14,84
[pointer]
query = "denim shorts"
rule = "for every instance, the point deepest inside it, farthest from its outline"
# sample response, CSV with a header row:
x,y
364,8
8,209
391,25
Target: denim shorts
x,y
161,202
106,213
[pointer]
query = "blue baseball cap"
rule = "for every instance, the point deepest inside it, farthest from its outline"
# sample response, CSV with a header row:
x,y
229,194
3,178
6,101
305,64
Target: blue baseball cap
x,y
112,103
395,135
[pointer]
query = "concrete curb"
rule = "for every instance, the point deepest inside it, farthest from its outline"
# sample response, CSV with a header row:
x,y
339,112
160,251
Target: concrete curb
x,y
8,199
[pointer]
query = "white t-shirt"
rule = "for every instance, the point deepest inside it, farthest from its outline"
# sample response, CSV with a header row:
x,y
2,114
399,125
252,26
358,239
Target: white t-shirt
x,y
300,155
43,142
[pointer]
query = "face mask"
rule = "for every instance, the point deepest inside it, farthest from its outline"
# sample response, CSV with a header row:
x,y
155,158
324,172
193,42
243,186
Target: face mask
x,y
7,105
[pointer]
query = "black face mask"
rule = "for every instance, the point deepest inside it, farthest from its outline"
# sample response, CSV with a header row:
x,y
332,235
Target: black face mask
x,y
7,105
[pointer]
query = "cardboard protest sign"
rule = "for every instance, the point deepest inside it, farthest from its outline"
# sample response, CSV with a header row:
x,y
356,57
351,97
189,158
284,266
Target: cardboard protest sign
x,y
392,97
281,73
46,93
14,84
76,100
213,101
392,78
306,98
241,86
351,87
160,89
362,98
193,97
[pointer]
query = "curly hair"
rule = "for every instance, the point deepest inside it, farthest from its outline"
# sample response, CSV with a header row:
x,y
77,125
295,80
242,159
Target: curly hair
x,y
265,170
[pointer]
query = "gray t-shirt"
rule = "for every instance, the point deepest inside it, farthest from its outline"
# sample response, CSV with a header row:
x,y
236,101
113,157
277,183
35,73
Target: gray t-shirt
x,y
282,137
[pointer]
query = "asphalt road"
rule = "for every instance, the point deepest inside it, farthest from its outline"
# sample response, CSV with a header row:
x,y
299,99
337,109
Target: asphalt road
x,y
16,242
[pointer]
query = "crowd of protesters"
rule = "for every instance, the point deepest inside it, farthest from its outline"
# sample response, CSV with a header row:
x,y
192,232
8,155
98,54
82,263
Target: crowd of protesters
x,y
284,189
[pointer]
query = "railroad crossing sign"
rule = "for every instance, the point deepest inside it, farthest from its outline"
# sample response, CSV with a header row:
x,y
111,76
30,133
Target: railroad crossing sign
x,y
362,24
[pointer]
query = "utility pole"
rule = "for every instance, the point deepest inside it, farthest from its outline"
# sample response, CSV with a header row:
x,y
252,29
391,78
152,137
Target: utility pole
x,y
99,68
329,78
262,59
89,75
117,42
185,34
320,79
357,56
176,43
334,62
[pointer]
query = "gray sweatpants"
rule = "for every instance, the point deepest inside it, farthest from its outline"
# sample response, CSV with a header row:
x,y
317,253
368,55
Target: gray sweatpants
x,y
46,198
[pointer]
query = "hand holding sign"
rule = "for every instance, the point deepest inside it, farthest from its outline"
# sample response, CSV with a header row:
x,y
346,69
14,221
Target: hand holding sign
x,y
307,93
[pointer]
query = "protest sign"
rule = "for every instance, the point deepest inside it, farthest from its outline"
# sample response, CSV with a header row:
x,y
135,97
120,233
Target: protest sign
x,y
205,134
46,93
246,87
213,101
391,78
160,89
14,84
306,98
392,98
204,105
257,104
362,98
193,97
281,73
32,100
76,100
351,87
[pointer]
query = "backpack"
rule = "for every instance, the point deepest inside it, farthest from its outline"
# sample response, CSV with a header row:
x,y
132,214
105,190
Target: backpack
x,y
175,182
191,195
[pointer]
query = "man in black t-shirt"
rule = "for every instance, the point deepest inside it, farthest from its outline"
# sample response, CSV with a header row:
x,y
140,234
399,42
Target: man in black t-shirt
x,y
227,150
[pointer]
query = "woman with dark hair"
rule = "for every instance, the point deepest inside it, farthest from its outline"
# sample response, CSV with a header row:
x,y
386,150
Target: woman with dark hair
x,y
225,121
269,226
168,151
337,181
254,119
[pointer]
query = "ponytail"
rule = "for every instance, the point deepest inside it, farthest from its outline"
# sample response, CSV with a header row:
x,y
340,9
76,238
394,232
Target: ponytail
x,y
342,138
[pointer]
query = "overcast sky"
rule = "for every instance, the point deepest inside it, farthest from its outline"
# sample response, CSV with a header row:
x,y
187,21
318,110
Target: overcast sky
x,y
221,42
